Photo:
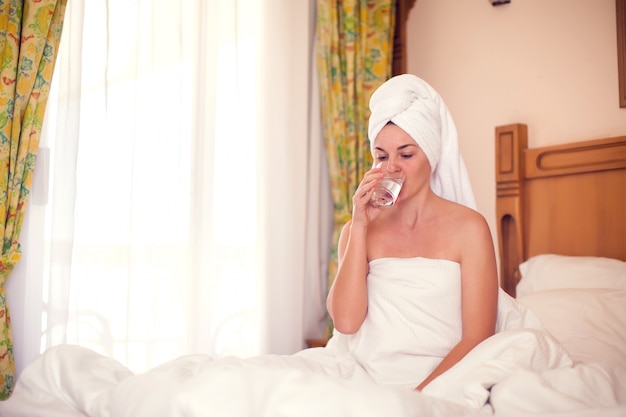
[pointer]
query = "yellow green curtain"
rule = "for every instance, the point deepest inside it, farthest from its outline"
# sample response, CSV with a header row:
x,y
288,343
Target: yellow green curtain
x,y
30,32
354,57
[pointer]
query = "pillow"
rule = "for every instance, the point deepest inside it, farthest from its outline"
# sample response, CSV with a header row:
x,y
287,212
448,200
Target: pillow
x,y
550,271
589,323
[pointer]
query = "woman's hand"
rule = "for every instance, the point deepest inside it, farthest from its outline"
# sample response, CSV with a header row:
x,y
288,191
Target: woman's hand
x,y
362,211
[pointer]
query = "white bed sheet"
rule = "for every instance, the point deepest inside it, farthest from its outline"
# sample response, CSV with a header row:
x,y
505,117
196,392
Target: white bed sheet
x,y
515,373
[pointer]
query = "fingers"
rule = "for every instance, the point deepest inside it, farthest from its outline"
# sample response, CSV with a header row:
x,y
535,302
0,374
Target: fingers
x,y
366,187
362,210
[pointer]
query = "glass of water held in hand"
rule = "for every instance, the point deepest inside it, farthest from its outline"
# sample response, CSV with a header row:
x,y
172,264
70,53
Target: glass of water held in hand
x,y
387,189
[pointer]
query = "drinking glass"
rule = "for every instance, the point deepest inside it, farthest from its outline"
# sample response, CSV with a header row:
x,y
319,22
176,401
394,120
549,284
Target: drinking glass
x,y
386,191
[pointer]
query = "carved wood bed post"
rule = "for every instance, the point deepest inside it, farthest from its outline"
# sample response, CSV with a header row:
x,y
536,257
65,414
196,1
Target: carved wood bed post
x,y
511,140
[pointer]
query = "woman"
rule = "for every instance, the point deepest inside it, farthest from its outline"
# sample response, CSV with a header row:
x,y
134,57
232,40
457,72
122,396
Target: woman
x,y
416,288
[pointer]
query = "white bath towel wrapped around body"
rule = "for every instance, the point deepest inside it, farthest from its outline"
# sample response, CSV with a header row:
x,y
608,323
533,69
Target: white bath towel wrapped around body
x,y
413,319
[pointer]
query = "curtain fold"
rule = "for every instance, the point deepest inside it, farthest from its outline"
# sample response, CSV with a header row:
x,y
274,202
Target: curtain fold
x,y
30,32
354,56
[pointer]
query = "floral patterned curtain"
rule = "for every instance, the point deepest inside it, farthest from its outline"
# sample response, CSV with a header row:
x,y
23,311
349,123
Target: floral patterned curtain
x,y
354,56
30,31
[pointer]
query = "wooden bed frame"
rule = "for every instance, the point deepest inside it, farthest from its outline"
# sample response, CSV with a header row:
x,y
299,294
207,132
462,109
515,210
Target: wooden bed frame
x,y
566,199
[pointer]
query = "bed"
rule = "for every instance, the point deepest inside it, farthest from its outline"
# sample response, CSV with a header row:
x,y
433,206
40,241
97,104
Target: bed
x,y
561,218
562,240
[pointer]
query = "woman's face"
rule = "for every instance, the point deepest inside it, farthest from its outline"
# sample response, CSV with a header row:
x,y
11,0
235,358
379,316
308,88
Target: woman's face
x,y
395,146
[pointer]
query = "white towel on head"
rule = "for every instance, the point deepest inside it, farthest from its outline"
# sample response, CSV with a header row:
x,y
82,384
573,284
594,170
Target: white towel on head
x,y
413,105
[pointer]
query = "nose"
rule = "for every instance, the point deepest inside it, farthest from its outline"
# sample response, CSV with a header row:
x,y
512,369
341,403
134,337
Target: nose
x,y
392,166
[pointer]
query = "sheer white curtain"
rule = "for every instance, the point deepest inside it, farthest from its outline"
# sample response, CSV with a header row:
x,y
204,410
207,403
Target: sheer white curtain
x,y
181,204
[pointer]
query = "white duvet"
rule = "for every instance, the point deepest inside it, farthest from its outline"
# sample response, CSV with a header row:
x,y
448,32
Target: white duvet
x,y
515,373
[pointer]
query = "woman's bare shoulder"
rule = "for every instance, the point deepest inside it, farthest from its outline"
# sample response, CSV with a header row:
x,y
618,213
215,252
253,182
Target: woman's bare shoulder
x,y
467,223
462,213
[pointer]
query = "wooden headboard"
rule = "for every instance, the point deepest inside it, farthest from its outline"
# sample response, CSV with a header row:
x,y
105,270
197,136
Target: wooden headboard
x,y
567,199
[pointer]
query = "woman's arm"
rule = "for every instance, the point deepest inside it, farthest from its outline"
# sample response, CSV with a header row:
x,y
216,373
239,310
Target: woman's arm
x,y
479,287
347,298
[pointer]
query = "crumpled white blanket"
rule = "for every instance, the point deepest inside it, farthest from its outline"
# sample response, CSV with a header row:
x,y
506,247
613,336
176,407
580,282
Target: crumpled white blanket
x,y
582,390
520,372
73,381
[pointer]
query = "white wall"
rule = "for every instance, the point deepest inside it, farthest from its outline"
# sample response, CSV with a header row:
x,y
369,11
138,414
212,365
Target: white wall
x,y
551,64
